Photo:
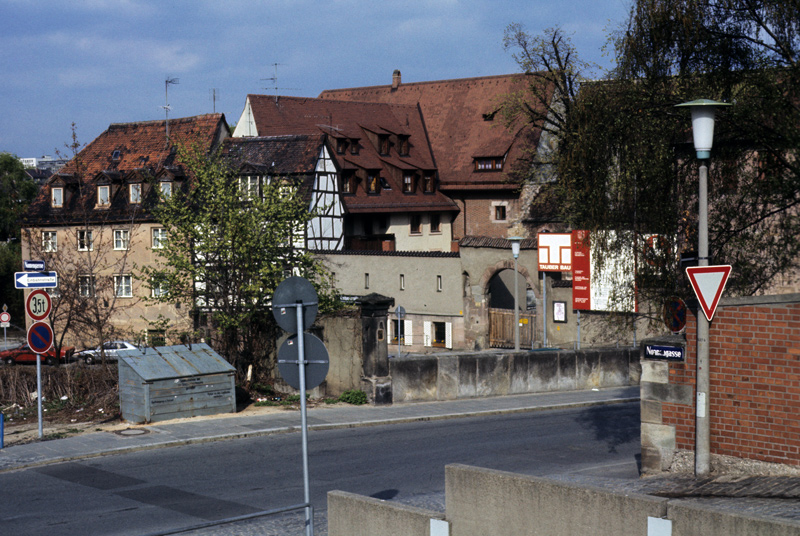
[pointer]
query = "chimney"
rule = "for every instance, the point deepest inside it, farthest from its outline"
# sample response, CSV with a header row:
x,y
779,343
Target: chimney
x,y
396,79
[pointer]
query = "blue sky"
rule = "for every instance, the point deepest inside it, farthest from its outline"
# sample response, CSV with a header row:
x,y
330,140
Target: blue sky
x,y
97,62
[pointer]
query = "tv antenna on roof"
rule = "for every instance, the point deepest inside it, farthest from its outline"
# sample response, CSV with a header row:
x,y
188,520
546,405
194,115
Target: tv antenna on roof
x,y
274,80
214,98
166,107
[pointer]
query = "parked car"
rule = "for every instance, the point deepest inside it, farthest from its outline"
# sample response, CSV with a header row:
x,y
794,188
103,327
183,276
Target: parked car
x,y
110,348
24,354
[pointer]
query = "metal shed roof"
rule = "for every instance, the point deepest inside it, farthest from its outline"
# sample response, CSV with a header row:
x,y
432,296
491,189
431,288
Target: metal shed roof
x,y
165,362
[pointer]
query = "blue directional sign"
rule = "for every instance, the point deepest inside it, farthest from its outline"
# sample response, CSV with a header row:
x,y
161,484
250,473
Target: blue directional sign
x,y
35,279
33,266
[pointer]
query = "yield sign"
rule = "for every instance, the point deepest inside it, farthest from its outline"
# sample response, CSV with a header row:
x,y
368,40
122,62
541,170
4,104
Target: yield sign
x,y
708,283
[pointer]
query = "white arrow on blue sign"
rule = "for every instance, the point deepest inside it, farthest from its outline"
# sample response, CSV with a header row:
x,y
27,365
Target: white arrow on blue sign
x,y
35,280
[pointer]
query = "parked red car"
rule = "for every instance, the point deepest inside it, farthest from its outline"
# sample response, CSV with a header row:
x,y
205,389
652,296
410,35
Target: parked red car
x,y
23,354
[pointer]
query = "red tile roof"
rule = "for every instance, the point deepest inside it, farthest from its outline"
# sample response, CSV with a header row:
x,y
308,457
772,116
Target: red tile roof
x,y
363,122
460,120
123,150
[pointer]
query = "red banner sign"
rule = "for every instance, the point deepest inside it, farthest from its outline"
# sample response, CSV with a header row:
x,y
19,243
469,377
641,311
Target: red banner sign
x,y
581,271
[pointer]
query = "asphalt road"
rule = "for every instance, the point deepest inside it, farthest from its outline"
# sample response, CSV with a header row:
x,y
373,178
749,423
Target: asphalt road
x,y
153,491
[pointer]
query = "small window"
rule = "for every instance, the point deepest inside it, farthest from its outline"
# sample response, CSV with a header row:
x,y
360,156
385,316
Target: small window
x,y
436,223
398,331
86,286
429,182
403,146
166,189
354,147
373,183
104,195
438,283
158,288
121,239
383,144
159,237
57,197
85,240
248,187
123,286
135,193
402,281
500,213
439,334
409,183
49,241
341,145
366,281
416,224
115,156
489,164
156,337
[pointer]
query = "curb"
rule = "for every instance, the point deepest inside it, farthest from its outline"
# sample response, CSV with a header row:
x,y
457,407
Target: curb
x,y
291,429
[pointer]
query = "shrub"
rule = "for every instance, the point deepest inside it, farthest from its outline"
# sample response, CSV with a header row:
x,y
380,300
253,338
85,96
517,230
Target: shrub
x,y
356,397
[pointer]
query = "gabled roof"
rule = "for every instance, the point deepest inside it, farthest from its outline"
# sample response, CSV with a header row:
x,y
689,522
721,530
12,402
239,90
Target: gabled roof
x,y
281,155
461,122
357,121
139,147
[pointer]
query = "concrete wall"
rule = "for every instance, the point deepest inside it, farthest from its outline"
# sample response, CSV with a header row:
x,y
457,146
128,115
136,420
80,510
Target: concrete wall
x,y
342,337
355,515
484,501
467,375
754,397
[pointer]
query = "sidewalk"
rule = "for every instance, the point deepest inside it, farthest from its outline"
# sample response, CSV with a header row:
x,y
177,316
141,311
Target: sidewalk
x,y
170,434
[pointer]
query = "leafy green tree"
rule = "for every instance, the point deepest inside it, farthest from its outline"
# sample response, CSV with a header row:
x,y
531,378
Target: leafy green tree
x,y
226,250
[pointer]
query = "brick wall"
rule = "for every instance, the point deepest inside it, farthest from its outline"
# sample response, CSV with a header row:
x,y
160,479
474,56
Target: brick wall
x,y
754,353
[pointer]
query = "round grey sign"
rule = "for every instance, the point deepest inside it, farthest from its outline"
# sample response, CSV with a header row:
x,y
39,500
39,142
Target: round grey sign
x,y
400,312
292,291
316,357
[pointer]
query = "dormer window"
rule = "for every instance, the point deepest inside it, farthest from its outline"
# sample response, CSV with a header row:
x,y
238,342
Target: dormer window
x,y
409,183
135,193
57,197
403,146
489,164
166,189
348,182
383,144
115,156
373,182
354,147
429,183
341,145
385,184
104,195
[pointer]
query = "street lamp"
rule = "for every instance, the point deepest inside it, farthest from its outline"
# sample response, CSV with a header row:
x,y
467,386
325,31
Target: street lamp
x,y
703,111
515,241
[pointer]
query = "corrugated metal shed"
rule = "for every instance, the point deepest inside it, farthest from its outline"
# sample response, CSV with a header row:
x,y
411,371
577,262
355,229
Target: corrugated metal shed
x,y
171,382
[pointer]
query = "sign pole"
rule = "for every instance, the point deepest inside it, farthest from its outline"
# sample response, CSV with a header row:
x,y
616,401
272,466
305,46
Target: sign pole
x,y
39,391
703,433
544,309
301,364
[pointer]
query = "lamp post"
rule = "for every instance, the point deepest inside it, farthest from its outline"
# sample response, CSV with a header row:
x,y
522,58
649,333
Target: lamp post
x,y
703,111
515,241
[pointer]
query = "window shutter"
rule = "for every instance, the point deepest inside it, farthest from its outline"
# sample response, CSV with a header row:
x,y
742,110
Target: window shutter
x,y
426,335
448,335
407,332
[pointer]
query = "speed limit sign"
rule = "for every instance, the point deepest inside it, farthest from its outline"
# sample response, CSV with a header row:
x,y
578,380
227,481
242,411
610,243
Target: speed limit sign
x,y
38,305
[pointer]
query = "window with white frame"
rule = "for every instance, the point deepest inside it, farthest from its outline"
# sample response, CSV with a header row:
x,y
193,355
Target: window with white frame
x,y
121,239
86,286
402,281
159,237
57,197
49,241
103,195
85,240
123,287
158,288
438,283
248,186
166,189
135,193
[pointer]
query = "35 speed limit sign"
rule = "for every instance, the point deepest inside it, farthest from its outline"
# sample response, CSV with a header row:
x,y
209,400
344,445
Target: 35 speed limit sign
x,y
38,305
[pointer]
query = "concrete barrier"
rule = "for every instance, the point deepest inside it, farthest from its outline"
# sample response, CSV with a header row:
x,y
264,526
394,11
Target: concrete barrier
x,y
692,519
354,515
469,375
484,501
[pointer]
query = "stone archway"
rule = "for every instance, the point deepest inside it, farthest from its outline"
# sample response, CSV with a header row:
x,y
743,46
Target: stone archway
x,y
498,317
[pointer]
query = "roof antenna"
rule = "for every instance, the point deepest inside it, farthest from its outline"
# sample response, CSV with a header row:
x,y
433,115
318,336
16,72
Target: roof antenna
x,y
166,107
214,97
274,80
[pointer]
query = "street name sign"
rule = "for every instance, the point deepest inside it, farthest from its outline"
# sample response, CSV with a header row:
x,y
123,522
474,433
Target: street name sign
x,y
33,266
708,283
35,279
670,353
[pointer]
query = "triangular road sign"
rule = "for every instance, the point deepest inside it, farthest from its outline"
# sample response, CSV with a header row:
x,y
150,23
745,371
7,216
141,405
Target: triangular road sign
x,y
708,283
